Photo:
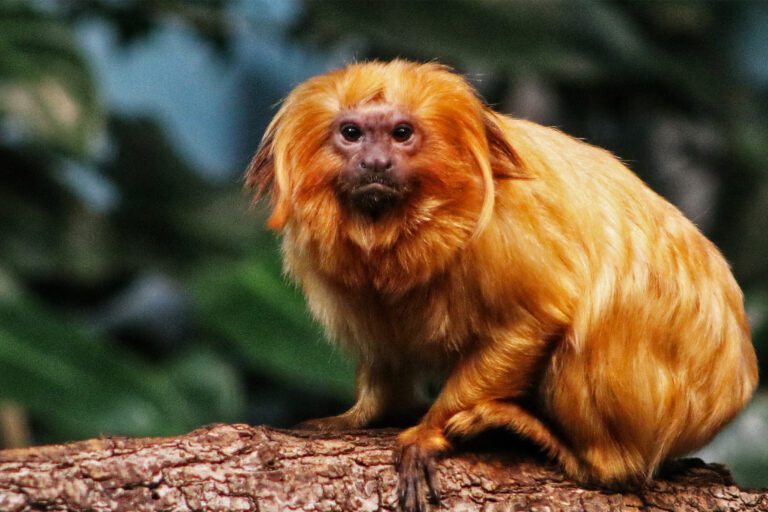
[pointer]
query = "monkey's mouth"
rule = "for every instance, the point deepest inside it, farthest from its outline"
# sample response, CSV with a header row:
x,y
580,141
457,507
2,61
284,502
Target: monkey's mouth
x,y
373,194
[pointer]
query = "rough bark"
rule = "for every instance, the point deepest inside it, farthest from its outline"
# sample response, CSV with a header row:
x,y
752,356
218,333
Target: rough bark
x,y
239,468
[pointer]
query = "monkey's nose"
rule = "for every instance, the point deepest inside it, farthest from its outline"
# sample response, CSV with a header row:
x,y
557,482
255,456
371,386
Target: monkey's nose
x,y
375,164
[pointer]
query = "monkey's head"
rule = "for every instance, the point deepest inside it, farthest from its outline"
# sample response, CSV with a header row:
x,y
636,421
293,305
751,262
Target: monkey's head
x,y
395,161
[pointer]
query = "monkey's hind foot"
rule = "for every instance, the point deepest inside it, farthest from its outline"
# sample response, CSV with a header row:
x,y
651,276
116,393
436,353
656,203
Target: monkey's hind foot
x,y
330,424
497,413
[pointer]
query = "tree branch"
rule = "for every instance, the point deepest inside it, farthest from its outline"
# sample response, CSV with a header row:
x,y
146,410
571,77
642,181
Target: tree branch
x,y
243,468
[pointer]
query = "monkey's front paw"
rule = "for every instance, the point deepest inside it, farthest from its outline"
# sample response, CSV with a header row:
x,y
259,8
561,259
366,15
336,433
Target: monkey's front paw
x,y
416,467
329,424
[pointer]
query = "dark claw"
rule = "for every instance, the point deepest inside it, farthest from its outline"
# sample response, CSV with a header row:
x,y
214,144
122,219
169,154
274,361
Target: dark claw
x,y
416,467
430,474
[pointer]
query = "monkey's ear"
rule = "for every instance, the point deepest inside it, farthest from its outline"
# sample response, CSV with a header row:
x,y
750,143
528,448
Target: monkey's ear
x,y
260,176
505,162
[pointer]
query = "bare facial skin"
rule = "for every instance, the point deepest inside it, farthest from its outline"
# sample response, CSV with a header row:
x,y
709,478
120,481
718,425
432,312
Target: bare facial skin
x,y
376,142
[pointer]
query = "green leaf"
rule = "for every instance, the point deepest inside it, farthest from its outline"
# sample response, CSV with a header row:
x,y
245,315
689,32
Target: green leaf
x,y
74,384
265,320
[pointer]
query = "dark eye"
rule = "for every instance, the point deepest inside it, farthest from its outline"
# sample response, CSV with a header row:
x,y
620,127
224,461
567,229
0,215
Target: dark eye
x,y
351,132
402,132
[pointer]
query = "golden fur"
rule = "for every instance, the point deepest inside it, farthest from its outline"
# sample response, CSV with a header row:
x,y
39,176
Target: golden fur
x,y
569,302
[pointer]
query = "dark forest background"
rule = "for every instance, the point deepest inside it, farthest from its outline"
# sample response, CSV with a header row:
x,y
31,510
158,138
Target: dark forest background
x,y
139,293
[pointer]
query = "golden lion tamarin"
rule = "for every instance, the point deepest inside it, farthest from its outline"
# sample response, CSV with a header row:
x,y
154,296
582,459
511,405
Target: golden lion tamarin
x,y
567,301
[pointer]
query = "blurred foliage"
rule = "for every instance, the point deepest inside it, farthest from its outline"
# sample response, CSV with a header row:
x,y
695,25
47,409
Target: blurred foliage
x,y
47,97
137,297
133,19
252,298
75,385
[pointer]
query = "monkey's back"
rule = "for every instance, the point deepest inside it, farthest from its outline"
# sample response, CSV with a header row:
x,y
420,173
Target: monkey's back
x,y
656,354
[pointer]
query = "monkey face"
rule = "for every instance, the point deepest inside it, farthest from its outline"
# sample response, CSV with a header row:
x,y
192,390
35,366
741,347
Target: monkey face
x,y
376,143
